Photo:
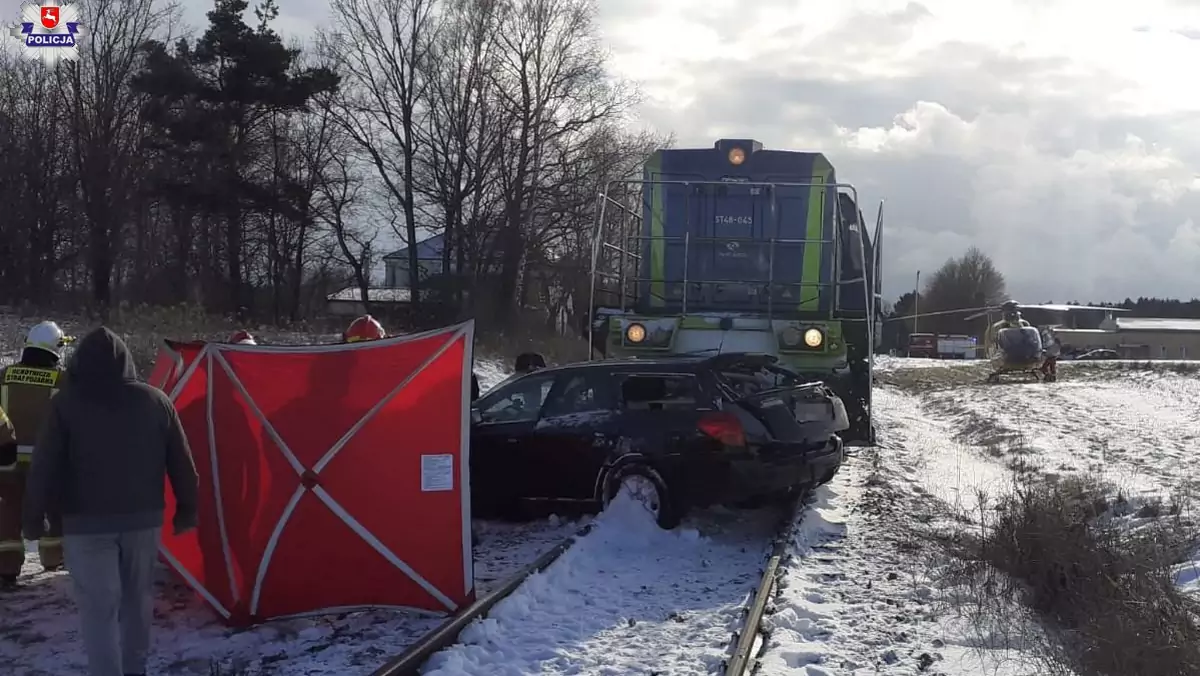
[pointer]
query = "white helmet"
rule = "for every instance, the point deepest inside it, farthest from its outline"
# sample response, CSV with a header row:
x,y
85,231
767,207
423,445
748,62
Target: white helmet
x,y
46,336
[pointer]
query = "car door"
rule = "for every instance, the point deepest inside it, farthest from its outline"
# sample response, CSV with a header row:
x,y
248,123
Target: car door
x,y
578,427
502,428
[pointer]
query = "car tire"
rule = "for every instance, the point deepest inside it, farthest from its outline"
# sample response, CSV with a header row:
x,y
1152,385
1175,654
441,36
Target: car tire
x,y
654,492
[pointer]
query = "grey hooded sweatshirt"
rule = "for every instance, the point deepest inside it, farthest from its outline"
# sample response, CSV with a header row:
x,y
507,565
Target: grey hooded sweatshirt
x,y
106,447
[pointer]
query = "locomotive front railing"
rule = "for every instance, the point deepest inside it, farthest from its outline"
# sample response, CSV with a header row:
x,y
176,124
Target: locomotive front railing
x,y
770,283
631,216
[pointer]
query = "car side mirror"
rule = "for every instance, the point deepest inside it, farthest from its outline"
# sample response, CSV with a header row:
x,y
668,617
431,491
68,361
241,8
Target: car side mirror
x,y
476,416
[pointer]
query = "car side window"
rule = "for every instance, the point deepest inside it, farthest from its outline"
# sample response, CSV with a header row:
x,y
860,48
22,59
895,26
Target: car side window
x,y
520,402
580,393
659,392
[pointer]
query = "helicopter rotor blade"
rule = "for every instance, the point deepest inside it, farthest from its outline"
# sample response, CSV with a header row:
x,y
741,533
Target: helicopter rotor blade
x,y
941,313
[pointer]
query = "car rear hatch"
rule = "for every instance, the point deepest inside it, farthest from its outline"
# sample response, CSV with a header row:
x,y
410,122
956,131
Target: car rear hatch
x,y
778,405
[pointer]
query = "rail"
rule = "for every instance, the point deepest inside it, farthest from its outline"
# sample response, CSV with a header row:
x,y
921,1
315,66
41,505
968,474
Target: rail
x,y
409,662
742,658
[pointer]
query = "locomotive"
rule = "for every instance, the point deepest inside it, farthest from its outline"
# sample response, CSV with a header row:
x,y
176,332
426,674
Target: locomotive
x,y
739,248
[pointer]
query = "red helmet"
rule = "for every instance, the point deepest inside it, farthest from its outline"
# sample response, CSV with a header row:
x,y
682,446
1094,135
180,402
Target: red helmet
x,y
242,338
364,328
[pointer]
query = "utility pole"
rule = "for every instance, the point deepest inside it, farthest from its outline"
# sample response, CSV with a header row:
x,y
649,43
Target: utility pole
x,y
916,301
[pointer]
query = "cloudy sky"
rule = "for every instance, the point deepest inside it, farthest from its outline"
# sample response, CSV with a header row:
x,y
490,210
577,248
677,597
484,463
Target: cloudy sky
x,y
1060,136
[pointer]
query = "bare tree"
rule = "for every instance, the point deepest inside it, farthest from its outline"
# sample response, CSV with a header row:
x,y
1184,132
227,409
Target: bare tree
x,y
462,132
339,202
106,125
382,48
550,78
227,171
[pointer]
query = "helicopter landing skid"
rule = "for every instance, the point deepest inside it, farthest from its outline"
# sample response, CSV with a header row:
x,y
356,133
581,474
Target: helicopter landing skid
x,y
1036,374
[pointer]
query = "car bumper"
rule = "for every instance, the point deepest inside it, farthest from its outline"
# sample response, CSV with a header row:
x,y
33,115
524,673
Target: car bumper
x,y
761,473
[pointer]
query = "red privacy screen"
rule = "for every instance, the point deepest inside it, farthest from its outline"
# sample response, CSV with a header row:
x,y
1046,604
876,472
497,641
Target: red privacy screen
x,y
332,477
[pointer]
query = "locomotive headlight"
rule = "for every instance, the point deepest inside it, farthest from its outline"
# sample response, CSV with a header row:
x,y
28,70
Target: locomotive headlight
x,y
790,337
737,156
636,333
813,338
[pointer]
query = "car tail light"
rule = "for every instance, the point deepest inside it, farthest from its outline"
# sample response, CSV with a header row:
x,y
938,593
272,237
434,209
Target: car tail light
x,y
724,427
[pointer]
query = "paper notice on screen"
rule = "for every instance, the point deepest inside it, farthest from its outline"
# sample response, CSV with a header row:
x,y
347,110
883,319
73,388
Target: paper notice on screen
x,y
437,473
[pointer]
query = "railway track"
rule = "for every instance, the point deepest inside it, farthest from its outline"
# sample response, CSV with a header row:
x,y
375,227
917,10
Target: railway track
x,y
409,662
710,603
751,638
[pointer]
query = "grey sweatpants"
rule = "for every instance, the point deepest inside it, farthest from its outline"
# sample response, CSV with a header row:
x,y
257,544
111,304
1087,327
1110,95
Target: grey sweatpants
x,y
114,588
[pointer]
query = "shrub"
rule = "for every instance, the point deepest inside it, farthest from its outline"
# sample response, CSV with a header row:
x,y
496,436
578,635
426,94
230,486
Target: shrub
x,y
1096,570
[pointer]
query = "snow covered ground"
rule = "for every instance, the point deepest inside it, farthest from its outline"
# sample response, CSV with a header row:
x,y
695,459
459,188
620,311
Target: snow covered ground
x,y
629,599
888,363
632,599
39,626
857,595
1139,429
490,373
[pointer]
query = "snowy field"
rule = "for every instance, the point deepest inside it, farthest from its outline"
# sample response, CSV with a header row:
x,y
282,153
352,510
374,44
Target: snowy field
x,y
630,599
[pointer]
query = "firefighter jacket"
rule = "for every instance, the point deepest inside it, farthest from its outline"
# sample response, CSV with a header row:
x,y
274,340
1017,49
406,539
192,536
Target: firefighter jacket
x,y
25,393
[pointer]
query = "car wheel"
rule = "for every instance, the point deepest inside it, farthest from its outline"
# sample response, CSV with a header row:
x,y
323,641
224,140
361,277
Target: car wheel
x,y
645,486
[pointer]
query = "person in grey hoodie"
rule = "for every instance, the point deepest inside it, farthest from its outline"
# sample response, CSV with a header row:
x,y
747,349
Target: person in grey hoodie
x,y
100,461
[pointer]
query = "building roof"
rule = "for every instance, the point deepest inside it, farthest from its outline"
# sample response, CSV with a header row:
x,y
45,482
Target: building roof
x,y
427,250
1158,324
351,294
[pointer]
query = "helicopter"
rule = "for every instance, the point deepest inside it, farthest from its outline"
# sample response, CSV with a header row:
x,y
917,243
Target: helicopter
x,y
1013,345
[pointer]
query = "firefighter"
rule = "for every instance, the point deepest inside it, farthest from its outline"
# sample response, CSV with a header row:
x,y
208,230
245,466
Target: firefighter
x,y
242,338
25,391
12,547
364,328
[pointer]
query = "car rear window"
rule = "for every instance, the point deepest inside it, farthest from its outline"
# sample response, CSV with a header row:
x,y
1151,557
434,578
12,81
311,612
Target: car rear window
x,y
659,392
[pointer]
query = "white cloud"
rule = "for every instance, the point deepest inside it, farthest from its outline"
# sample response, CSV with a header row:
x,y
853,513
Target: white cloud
x,y
1051,134
1054,134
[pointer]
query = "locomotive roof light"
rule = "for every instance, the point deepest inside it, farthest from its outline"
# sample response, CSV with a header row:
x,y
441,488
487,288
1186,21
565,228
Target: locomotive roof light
x,y
737,156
